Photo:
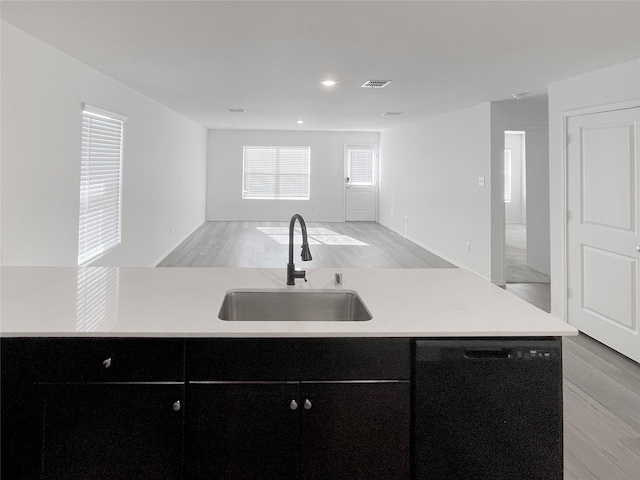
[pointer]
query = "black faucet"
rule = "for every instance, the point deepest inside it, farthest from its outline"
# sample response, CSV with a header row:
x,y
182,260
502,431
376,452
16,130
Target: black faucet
x,y
292,273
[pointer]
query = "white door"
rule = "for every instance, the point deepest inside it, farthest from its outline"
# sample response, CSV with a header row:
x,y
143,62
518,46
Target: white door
x,y
361,186
603,240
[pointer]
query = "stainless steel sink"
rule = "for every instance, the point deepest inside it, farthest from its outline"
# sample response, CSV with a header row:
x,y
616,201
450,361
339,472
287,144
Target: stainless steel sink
x,y
293,306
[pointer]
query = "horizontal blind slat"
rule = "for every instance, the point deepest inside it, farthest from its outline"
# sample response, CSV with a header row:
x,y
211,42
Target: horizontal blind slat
x,y
272,172
361,166
100,185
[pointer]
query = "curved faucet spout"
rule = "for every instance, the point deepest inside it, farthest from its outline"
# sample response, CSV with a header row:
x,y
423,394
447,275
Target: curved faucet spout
x,y
292,273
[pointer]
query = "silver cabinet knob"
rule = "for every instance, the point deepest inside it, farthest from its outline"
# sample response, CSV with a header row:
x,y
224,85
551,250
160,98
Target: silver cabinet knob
x,y
638,248
107,363
176,406
293,405
307,404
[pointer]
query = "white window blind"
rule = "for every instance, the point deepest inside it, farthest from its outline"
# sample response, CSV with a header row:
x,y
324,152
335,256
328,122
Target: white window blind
x,y
507,175
361,162
100,183
276,173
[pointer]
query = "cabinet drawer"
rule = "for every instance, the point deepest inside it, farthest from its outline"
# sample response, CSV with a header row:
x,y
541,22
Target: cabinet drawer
x,y
298,359
54,360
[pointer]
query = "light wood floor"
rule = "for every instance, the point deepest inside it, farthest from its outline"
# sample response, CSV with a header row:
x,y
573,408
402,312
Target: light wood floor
x,y
242,244
601,387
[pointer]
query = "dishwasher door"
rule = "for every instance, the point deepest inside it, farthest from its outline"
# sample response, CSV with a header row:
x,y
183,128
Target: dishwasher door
x,y
488,409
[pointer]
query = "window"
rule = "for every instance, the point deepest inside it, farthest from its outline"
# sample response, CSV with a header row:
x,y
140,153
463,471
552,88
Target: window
x,y
361,166
507,175
280,173
100,183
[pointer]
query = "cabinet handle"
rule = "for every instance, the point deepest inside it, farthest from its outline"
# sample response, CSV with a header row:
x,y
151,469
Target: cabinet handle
x,y
107,363
293,405
176,406
307,404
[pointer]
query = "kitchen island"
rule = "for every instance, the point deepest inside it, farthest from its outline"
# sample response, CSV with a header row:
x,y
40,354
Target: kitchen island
x,y
129,373
184,302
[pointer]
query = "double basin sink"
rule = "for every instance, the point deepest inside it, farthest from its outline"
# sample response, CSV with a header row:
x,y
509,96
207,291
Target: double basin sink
x,y
293,305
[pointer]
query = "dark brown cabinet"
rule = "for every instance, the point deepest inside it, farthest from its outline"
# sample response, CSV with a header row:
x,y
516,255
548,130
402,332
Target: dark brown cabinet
x,y
92,408
112,431
298,409
355,430
242,431
307,430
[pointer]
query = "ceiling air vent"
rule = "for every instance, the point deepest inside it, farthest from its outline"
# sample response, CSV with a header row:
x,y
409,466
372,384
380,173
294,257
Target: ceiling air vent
x,y
376,83
237,110
391,114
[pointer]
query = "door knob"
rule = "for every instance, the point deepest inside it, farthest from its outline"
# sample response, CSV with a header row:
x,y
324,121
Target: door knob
x,y
176,406
638,248
107,363
307,404
293,405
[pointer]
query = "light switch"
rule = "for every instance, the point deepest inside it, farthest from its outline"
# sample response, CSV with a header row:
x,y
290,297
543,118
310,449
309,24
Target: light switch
x,y
481,181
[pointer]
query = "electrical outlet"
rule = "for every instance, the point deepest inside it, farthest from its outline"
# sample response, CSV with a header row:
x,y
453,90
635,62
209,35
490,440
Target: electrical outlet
x,y
481,181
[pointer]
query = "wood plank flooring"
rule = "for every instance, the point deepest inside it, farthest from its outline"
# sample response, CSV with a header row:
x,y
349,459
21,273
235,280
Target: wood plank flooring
x,y
601,412
242,244
601,387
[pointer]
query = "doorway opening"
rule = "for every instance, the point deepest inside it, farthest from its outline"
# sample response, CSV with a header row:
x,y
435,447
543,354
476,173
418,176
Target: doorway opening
x,y
518,268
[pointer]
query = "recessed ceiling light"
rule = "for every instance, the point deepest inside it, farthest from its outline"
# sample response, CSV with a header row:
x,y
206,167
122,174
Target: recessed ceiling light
x,y
300,122
375,83
329,83
519,96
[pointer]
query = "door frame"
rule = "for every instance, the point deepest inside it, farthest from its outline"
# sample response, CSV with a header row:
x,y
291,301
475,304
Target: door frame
x,y
376,179
611,107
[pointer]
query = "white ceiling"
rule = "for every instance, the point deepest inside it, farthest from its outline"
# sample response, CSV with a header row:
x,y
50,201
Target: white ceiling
x,y
202,58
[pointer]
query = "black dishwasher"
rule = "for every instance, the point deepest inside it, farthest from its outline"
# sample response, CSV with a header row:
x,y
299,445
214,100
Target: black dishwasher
x,y
488,408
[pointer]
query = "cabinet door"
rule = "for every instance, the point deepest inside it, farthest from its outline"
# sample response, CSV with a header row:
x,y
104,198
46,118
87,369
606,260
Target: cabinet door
x,y
242,431
112,431
355,430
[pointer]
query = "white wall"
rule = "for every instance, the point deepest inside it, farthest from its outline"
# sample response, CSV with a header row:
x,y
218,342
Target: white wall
x,y
596,89
429,173
224,175
531,117
164,164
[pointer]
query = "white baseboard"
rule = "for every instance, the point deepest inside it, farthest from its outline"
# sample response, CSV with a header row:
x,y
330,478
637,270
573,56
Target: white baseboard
x,y
171,249
539,270
435,252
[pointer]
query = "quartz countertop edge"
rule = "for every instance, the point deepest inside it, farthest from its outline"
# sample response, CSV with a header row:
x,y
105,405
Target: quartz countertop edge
x,y
184,303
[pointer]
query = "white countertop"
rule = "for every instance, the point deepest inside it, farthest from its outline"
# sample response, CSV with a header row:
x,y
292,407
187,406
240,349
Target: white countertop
x,y
184,302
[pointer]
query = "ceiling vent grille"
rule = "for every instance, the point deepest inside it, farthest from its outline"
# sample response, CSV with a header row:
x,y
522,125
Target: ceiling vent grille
x,y
391,114
376,83
237,110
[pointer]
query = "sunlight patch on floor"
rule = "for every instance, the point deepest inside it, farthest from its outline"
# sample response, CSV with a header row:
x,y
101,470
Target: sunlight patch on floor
x,y
316,236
